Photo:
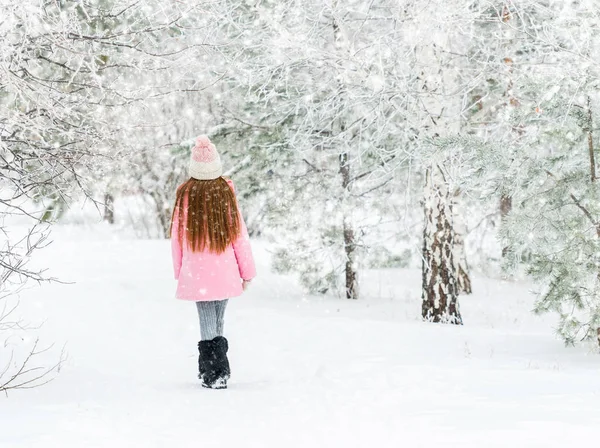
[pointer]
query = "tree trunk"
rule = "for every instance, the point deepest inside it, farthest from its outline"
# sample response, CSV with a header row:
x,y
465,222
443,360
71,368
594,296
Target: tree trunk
x,y
162,213
440,111
505,208
463,278
505,205
351,274
109,211
351,286
511,101
439,295
339,127
592,158
591,140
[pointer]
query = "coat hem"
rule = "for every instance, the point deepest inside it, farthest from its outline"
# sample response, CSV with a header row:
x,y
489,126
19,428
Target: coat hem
x,y
208,299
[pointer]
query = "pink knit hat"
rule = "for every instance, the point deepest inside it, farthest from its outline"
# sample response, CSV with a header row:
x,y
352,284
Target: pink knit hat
x,y
205,163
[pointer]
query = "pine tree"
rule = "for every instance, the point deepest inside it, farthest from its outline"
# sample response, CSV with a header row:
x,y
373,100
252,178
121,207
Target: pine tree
x,y
548,166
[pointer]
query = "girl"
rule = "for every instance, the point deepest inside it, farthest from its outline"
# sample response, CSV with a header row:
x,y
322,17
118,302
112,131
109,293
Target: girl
x,y
212,258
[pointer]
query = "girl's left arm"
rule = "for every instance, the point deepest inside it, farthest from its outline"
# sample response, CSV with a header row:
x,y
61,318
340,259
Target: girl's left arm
x,y
176,251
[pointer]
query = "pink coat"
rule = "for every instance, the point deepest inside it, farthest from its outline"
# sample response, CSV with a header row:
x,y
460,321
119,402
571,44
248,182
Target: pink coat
x,y
208,276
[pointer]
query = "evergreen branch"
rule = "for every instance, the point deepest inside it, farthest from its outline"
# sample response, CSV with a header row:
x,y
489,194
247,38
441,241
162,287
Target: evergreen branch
x,y
579,205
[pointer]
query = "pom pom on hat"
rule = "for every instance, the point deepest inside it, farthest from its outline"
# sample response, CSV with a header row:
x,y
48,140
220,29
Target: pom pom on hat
x,y
203,141
205,163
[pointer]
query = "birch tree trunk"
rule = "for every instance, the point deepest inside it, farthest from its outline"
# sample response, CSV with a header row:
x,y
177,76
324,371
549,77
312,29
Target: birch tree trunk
x,y
463,279
351,276
440,295
440,112
339,127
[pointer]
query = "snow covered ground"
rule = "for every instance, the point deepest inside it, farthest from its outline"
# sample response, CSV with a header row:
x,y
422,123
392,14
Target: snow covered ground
x,y
307,372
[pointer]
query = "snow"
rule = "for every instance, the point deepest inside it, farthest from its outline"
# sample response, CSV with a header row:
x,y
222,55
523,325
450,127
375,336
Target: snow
x,y
307,371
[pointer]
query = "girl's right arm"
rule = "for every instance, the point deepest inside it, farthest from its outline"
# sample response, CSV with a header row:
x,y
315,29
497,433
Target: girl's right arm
x,y
243,253
242,249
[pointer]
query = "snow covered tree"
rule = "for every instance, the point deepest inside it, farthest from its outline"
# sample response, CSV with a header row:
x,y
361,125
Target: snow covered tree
x,y
504,49
547,162
70,73
559,244
439,109
324,77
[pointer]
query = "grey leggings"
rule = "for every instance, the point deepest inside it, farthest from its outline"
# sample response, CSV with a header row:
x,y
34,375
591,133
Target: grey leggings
x,y
211,314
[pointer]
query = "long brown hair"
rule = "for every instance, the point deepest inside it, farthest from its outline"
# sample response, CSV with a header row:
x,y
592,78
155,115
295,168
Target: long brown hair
x,y
213,221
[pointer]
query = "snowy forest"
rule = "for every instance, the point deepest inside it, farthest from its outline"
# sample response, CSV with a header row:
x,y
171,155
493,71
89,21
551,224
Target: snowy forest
x,y
453,143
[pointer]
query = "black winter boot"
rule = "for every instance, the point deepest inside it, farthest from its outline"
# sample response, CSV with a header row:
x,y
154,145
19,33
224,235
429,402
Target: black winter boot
x,y
201,364
222,347
213,364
